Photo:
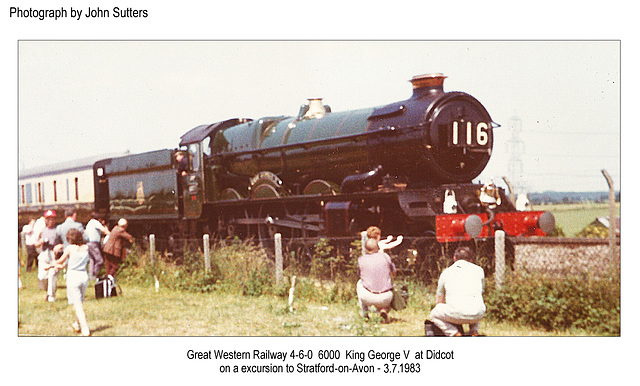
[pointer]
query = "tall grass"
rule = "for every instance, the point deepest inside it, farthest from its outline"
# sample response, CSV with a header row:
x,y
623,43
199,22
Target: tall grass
x,y
238,297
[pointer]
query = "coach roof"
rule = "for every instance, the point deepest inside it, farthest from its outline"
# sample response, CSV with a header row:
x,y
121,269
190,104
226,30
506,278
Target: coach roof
x,y
67,166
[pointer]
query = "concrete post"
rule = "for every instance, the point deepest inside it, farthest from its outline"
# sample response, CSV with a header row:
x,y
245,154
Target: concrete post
x,y
612,215
279,268
152,247
207,253
500,264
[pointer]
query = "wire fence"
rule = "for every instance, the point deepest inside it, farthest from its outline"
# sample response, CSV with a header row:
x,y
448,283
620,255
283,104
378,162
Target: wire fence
x,y
420,258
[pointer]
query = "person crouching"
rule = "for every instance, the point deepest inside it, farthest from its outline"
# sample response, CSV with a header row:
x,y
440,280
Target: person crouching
x,y
459,295
375,287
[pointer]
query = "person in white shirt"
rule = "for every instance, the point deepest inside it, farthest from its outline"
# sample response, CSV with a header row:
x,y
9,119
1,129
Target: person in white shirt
x,y
459,295
31,234
93,234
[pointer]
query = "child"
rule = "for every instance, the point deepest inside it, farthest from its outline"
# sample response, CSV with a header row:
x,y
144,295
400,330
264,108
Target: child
x,y
373,232
76,257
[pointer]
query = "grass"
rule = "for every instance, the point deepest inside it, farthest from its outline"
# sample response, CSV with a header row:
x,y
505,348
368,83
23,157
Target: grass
x,y
141,311
572,218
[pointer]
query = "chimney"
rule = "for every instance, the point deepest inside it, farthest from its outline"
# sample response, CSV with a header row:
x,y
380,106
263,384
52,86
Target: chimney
x,y
316,108
427,84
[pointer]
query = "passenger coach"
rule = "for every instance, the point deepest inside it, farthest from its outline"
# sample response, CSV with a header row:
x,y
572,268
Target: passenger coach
x,y
59,187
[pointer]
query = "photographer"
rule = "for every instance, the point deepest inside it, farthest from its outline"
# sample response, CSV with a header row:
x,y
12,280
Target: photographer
x,y
459,295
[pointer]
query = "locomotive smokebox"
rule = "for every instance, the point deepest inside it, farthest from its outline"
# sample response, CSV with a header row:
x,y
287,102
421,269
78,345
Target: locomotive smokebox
x,y
427,84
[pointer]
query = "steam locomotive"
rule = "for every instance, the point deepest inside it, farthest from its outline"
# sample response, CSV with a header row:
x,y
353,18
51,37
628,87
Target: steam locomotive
x,y
406,167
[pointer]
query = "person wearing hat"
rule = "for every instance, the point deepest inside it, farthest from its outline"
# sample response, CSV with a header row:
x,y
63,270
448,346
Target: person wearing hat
x,y
50,244
459,295
115,249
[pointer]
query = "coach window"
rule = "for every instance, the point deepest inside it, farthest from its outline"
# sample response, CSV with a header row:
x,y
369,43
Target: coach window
x,y
28,196
76,184
39,192
55,191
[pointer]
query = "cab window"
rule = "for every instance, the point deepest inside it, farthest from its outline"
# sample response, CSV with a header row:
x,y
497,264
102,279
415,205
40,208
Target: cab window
x,y
194,159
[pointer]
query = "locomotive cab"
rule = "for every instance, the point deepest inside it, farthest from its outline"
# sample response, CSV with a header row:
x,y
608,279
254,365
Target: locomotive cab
x,y
200,184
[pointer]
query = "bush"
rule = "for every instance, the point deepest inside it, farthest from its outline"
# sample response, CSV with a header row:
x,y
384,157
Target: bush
x,y
594,231
552,304
335,262
238,266
556,232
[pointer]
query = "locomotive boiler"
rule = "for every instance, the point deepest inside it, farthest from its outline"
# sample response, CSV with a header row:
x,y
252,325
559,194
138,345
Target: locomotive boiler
x,y
406,167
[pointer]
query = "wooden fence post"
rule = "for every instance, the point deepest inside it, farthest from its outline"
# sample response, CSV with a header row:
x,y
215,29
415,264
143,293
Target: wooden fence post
x,y
207,254
279,268
500,266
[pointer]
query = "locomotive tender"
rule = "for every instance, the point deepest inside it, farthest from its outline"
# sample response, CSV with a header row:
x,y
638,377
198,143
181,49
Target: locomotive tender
x,y
406,167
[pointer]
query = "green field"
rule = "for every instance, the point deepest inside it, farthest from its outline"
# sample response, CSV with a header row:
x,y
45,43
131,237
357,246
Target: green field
x,y
572,218
141,311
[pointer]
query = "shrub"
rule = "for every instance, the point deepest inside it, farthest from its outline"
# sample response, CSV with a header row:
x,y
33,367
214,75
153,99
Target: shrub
x,y
594,231
556,232
238,266
335,262
559,304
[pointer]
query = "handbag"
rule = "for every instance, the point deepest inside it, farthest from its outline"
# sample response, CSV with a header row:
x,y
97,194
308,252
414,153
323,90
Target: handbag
x,y
106,287
399,300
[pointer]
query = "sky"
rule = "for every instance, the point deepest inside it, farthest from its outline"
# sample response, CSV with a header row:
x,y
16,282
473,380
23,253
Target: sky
x,y
84,98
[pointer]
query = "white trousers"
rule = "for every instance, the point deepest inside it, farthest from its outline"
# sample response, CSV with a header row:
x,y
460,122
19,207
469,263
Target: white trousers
x,y
45,259
447,319
367,299
53,282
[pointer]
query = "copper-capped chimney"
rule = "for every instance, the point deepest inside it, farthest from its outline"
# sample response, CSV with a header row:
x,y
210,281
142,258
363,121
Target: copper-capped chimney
x,y
316,109
427,84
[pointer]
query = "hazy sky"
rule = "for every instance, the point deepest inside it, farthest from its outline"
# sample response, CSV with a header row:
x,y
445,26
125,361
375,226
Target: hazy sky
x,y
85,98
